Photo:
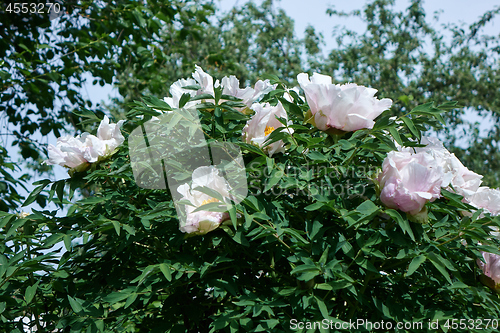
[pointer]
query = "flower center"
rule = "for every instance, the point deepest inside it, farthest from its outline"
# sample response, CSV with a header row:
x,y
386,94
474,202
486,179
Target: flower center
x,y
209,201
268,130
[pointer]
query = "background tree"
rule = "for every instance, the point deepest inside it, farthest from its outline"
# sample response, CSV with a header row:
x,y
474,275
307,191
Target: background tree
x,y
410,61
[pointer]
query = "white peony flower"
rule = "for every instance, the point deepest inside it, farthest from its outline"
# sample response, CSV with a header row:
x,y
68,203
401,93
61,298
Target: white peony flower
x,y
347,107
408,181
205,81
77,152
176,90
262,124
249,95
69,152
201,222
110,135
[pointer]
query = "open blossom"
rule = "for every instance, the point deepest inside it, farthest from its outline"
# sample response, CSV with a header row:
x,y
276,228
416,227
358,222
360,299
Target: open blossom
x,y
249,95
409,180
68,151
77,152
462,180
176,90
491,270
201,222
486,198
204,80
347,107
110,135
262,124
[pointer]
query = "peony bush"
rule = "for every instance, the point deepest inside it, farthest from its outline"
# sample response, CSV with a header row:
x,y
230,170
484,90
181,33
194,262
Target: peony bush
x,y
349,218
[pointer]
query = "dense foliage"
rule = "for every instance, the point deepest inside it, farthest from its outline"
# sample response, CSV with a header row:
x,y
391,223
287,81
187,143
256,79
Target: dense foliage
x,y
312,240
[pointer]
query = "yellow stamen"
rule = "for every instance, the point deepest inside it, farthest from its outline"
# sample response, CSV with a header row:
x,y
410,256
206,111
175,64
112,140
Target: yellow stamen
x,y
268,130
209,201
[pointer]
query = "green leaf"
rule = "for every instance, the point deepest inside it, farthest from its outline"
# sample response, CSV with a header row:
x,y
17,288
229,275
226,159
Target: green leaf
x,y
116,224
33,195
304,268
415,264
91,200
76,304
67,242
395,134
422,107
184,99
100,325
24,47
440,267
165,269
233,216
291,108
295,234
403,223
251,148
200,97
324,256
131,299
211,192
316,156
140,279
30,292
276,175
322,307
334,285
129,229
314,206
411,126
84,113
367,208
456,199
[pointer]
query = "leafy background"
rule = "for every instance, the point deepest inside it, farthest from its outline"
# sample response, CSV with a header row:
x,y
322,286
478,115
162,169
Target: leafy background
x,y
126,267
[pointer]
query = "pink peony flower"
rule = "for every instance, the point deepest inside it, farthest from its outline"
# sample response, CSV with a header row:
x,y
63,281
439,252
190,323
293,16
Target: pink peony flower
x,y
491,270
409,180
464,181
